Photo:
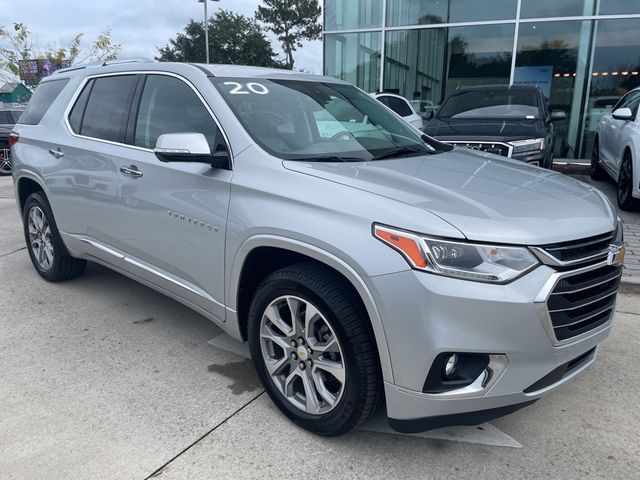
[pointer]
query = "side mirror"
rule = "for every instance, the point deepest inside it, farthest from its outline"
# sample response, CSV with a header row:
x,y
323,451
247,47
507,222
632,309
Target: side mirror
x,y
432,114
557,115
623,114
189,147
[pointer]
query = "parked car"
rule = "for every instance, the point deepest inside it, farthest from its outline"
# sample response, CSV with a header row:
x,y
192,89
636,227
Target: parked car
x,y
402,107
616,150
8,118
424,108
366,264
512,121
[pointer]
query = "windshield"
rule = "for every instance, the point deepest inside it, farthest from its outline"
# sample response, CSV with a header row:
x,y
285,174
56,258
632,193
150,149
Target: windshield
x,y
491,104
309,120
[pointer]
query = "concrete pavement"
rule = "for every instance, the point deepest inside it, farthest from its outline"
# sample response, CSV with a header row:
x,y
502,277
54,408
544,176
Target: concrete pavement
x,y
103,378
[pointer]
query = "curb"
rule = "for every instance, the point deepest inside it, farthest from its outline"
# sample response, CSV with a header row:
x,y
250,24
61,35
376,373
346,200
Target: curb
x,y
630,285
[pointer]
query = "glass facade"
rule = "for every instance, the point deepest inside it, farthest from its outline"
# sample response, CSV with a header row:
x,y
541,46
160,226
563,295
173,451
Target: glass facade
x,y
583,54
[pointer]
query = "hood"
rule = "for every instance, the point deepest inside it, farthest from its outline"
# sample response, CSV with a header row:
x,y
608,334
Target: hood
x,y
479,129
486,197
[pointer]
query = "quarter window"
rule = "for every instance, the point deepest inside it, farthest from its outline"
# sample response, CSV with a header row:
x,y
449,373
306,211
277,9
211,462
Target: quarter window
x,y
169,105
42,99
107,109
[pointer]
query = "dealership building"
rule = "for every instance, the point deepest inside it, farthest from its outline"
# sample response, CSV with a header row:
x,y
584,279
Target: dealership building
x,y
583,54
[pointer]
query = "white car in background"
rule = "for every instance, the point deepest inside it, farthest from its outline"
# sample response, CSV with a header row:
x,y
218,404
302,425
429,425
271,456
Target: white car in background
x,y
402,107
616,149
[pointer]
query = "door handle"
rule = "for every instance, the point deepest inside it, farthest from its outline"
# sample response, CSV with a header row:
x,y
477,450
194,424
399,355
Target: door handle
x,y
56,153
131,171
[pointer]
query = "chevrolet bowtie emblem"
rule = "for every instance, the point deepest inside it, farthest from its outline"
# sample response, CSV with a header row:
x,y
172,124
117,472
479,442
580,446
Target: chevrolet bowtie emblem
x,y
616,255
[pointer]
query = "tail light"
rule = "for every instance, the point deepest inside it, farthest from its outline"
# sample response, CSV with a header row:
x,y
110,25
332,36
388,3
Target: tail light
x,y
13,139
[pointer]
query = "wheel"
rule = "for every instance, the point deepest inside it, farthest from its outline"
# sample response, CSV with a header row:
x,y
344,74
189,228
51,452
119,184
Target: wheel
x,y
597,172
48,254
5,163
313,350
625,185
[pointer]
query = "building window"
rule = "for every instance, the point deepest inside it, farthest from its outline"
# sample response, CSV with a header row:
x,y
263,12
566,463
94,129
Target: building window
x,y
619,7
416,12
425,65
615,71
424,12
354,57
347,14
555,8
549,53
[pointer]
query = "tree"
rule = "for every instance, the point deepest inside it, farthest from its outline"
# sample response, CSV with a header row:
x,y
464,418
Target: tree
x,y
16,43
292,21
233,39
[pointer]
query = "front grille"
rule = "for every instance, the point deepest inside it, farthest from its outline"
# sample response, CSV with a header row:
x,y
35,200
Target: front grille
x,y
496,148
584,301
580,249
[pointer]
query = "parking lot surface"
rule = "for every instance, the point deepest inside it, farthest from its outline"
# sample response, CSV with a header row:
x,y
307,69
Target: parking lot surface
x,y
103,378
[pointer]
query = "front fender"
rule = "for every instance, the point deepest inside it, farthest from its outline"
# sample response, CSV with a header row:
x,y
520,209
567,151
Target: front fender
x,y
358,282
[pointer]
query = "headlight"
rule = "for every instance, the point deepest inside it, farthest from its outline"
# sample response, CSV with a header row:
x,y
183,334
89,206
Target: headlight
x,y
618,237
469,261
529,145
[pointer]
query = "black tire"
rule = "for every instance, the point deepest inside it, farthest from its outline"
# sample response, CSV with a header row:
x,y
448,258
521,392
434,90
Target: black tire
x,y
63,266
596,170
326,291
625,185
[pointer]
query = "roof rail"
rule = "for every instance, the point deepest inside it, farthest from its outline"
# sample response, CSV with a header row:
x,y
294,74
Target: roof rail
x,y
104,64
127,60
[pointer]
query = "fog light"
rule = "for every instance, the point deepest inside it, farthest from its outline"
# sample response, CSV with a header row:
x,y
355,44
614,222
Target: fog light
x,y
450,365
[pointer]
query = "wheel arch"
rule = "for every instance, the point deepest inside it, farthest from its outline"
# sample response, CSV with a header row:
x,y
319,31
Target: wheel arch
x,y
25,186
277,252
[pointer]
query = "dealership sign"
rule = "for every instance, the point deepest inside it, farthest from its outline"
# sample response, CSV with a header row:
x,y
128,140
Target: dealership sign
x,y
32,71
538,76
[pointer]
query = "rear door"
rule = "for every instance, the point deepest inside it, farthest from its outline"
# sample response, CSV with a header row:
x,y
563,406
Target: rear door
x,y
85,181
172,216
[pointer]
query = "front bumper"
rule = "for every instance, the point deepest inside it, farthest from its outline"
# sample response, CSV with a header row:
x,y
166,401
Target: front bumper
x,y
425,315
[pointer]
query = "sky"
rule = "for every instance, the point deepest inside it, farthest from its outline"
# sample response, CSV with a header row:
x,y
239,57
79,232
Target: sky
x,y
138,25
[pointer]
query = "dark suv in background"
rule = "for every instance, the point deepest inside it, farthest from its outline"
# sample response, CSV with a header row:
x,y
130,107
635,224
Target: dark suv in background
x,y
8,118
512,121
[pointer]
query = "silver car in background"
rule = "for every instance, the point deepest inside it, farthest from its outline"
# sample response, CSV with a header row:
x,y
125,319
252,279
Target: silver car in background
x,y
362,262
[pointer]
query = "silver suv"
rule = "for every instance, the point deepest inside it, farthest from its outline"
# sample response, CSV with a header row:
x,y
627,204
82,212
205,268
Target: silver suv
x,y
360,260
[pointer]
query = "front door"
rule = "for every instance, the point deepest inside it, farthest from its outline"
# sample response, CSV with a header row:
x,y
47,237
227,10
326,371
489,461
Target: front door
x,y
173,215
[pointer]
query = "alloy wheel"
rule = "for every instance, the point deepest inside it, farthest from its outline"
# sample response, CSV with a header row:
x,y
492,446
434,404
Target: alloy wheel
x,y
5,163
302,355
40,240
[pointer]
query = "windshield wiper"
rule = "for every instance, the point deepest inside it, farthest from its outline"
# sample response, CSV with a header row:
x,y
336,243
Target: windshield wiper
x,y
331,158
403,152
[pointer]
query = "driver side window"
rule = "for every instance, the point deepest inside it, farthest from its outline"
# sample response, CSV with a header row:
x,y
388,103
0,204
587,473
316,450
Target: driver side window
x,y
169,105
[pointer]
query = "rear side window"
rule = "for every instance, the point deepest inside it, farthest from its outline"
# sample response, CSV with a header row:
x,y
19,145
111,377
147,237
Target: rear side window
x,y
42,99
169,105
397,105
107,109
